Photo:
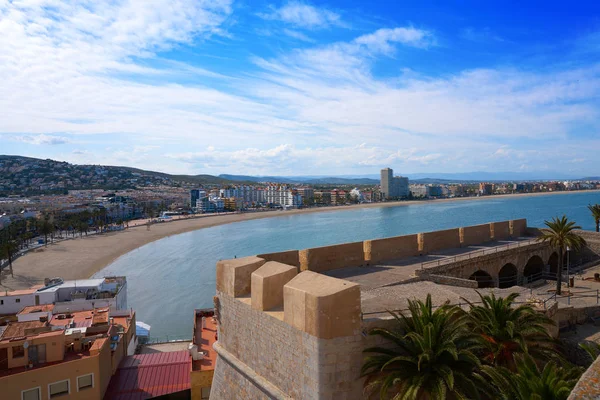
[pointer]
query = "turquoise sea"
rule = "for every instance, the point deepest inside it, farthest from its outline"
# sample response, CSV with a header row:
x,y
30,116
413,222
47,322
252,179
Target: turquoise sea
x,y
168,278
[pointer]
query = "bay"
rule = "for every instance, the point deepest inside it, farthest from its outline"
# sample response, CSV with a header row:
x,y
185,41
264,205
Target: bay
x,y
169,278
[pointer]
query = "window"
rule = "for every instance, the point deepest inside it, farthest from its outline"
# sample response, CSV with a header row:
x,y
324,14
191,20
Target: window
x,y
18,351
85,382
17,300
205,392
31,394
58,388
1,302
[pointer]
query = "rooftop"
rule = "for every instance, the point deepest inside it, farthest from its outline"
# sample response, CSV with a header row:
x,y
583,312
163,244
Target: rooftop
x,y
205,338
37,309
22,292
20,329
144,376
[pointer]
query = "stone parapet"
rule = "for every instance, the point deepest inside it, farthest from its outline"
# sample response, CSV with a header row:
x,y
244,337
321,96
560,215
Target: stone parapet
x,y
268,282
321,259
518,227
233,276
440,240
378,250
474,235
322,306
290,257
500,230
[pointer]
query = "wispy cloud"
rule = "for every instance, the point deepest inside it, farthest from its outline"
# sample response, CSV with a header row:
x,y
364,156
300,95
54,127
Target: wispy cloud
x,y
304,15
298,35
383,40
97,69
42,139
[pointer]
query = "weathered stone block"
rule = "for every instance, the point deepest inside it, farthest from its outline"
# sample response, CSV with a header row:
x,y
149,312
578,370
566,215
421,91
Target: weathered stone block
x,y
233,276
501,230
321,259
518,227
322,306
477,234
440,240
267,284
391,248
289,257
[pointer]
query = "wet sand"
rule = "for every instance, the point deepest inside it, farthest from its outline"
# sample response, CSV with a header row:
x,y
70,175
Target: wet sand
x,y
80,258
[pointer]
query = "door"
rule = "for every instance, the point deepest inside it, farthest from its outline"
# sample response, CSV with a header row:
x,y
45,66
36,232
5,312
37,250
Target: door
x,y
33,354
41,350
3,359
37,299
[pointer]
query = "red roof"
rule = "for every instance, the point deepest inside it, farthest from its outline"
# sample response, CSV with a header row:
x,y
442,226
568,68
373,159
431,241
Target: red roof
x,y
148,375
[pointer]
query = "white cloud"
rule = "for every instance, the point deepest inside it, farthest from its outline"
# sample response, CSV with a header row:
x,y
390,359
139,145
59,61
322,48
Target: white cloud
x,y
304,15
297,35
42,139
383,40
309,109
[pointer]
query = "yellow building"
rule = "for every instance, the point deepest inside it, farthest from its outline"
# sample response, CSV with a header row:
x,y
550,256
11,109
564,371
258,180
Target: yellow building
x,y
203,356
66,355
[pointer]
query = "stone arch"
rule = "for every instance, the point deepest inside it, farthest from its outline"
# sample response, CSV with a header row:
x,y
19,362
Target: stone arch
x,y
507,277
483,279
533,269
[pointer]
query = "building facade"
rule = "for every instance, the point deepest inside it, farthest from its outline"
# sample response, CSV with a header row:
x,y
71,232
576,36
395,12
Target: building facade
x,y
393,187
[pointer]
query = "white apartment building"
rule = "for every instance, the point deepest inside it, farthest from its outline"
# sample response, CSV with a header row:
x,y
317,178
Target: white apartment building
x,y
248,194
76,295
283,196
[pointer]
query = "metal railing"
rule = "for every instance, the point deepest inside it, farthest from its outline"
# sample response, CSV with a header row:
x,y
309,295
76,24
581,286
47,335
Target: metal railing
x,y
478,253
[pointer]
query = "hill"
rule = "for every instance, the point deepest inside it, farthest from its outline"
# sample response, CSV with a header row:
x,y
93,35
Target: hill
x,y
20,175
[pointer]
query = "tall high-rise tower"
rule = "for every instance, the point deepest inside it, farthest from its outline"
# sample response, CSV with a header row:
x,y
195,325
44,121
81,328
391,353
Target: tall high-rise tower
x,y
387,178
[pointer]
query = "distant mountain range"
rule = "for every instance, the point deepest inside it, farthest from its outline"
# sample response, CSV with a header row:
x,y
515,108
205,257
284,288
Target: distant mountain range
x,y
423,178
32,175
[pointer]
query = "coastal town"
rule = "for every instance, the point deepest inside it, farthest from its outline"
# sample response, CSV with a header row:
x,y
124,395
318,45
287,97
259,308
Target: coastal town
x,y
299,200
40,189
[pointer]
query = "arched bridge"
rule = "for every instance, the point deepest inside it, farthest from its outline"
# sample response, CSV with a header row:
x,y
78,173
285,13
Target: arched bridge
x,y
502,268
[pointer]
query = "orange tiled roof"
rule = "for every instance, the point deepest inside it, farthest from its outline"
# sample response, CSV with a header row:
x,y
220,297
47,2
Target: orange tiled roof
x,y
34,309
17,329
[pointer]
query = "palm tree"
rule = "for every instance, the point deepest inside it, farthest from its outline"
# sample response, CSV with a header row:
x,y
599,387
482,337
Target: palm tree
x,y
595,210
560,235
433,355
507,330
8,250
528,382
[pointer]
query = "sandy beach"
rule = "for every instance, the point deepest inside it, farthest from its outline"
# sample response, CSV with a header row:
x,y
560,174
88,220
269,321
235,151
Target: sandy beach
x,y
80,258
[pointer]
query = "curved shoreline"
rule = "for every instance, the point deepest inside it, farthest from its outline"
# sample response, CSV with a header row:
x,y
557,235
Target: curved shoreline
x,y
83,257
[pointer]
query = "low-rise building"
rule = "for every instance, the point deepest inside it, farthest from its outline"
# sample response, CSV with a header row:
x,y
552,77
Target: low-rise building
x,y
74,295
68,355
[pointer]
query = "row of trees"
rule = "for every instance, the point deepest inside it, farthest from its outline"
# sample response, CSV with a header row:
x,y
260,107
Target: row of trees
x,y
20,234
493,351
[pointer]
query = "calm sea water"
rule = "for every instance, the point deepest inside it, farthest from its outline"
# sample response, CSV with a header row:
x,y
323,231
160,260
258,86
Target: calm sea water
x,y
168,278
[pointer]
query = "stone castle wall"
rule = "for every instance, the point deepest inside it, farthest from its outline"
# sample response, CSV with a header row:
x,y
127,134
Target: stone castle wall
x,y
478,234
379,250
440,240
321,259
371,252
276,323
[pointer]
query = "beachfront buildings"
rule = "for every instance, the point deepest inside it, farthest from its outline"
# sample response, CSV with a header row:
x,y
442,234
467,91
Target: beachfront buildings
x,y
393,187
74,295
283,195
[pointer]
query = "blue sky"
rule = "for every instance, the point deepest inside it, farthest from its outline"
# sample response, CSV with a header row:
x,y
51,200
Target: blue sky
x,y
303,88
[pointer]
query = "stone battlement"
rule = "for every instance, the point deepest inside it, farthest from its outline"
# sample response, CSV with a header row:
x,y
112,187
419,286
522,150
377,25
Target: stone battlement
x,y
286,330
